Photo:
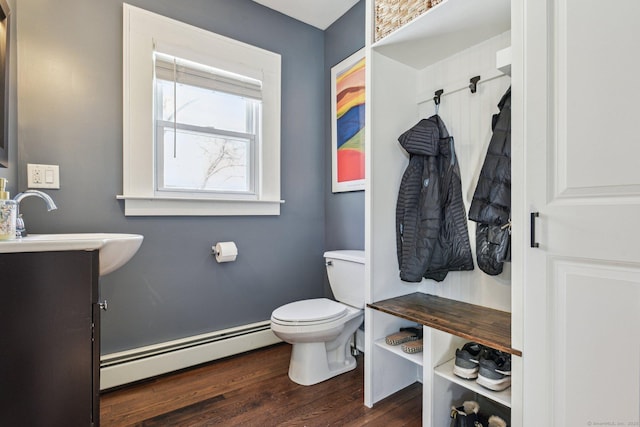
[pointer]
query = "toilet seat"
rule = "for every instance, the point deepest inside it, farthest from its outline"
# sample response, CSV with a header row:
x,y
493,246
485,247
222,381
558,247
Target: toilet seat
x,y
310,312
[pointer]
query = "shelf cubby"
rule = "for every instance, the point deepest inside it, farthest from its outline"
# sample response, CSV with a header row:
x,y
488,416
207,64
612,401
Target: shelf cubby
x,y
397,349
484,325
446,371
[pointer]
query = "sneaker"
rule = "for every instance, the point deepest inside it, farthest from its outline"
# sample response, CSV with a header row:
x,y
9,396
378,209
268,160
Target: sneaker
x,y
467,360
495,370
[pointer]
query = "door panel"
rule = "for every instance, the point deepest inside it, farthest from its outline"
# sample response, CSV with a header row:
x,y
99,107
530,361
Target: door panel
x,y
595,377
581,351
48,360
597,96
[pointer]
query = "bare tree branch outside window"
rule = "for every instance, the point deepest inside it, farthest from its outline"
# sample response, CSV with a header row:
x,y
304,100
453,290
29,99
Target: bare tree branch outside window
x,y
227,156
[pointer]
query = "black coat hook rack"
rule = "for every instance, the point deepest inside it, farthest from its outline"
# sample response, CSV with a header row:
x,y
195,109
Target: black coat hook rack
x,y
436,98
473,83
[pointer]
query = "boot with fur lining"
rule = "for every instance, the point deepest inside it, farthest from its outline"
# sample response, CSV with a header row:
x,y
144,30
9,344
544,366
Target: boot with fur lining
x,y
469,407
495,421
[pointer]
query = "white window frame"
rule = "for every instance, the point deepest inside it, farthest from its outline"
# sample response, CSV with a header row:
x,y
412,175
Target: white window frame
x,y
144,33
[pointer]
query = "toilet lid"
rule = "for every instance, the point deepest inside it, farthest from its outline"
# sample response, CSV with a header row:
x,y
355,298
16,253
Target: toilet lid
x,y
310,310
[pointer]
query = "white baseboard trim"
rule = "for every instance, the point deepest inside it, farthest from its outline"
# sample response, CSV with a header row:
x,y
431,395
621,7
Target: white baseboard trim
x,y
125,367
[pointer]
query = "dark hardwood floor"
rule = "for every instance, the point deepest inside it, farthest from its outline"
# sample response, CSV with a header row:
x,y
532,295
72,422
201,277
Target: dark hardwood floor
x,y
253,389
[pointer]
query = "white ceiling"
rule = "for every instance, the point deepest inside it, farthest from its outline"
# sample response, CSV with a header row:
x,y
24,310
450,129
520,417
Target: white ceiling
x,y
319,13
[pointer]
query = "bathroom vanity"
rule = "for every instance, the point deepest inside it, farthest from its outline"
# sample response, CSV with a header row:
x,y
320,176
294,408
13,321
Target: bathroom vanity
x,y
50,333
50,354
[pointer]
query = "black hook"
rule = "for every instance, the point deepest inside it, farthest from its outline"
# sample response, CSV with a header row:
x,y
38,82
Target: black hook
x,y
474,83
436,98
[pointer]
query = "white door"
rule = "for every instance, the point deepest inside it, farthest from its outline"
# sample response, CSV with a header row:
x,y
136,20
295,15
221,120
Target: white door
x,y
580,124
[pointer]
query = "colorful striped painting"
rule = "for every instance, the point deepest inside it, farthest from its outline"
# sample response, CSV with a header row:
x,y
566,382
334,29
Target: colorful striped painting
x,y
349,116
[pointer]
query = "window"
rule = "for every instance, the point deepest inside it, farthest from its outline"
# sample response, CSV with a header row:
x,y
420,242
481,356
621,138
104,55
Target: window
x,y
207,128
201,121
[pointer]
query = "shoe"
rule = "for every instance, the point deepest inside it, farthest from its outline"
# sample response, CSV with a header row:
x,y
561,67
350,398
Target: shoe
x,y
466,415
496,421
467,360
405,335
495,370
412,346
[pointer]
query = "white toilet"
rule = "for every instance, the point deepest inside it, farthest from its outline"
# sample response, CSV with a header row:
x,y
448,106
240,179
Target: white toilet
x,y
320,329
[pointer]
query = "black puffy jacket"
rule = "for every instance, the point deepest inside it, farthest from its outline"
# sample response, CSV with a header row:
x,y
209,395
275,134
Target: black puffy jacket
x,y
431,225
491,203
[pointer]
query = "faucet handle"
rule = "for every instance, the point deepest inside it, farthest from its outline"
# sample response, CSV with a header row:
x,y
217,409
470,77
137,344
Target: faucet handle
x,y
20,230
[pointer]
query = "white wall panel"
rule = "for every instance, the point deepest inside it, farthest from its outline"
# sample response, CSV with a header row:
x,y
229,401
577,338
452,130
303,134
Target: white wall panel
x,y
468,119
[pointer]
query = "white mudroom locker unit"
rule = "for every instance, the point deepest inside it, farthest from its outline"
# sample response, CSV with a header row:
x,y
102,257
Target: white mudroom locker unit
x,y
567,306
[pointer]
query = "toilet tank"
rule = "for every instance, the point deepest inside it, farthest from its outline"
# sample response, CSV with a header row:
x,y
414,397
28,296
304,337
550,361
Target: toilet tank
x,y
345,269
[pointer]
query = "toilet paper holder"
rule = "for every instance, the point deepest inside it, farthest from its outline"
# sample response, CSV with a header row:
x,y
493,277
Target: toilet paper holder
x,y
225,251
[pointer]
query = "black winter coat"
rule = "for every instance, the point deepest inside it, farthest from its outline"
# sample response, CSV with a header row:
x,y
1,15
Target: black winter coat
x,y
431,225
491,203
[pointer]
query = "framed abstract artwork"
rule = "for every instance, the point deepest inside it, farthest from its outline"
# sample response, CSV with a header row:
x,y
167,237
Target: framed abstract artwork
x,y
347,123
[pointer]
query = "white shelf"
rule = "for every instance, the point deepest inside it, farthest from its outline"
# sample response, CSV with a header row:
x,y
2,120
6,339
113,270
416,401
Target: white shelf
x,y
397,349
444,30
503,60
446,371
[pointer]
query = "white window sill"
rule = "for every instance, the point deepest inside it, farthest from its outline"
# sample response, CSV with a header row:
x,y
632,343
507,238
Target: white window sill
x,y
166,206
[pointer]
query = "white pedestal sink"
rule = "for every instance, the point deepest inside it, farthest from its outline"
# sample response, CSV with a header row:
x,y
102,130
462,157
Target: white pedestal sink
x,y
115,249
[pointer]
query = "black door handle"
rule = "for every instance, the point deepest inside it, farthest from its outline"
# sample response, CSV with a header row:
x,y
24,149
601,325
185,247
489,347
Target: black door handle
x,y
534,215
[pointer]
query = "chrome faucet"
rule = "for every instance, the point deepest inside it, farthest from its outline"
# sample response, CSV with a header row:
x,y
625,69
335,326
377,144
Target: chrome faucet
x,y
21,231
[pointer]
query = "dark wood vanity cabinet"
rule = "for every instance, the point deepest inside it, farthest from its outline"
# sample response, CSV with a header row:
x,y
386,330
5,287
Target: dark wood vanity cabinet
x,y
50,341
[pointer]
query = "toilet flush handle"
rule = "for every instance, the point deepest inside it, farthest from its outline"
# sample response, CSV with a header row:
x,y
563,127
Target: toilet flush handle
x,y
328,263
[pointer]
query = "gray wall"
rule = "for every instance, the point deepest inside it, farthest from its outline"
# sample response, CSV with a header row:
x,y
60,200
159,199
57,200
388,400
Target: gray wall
x,y
344,212
68,111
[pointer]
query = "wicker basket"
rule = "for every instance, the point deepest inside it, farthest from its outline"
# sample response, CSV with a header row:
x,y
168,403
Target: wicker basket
x,y
392,14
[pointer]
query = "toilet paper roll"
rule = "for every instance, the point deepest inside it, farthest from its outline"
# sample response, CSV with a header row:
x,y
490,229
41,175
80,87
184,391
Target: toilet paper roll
x,y
226,251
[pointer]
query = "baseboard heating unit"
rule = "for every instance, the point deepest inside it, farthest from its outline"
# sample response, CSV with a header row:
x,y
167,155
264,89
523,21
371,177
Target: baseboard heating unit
x,y
140,363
